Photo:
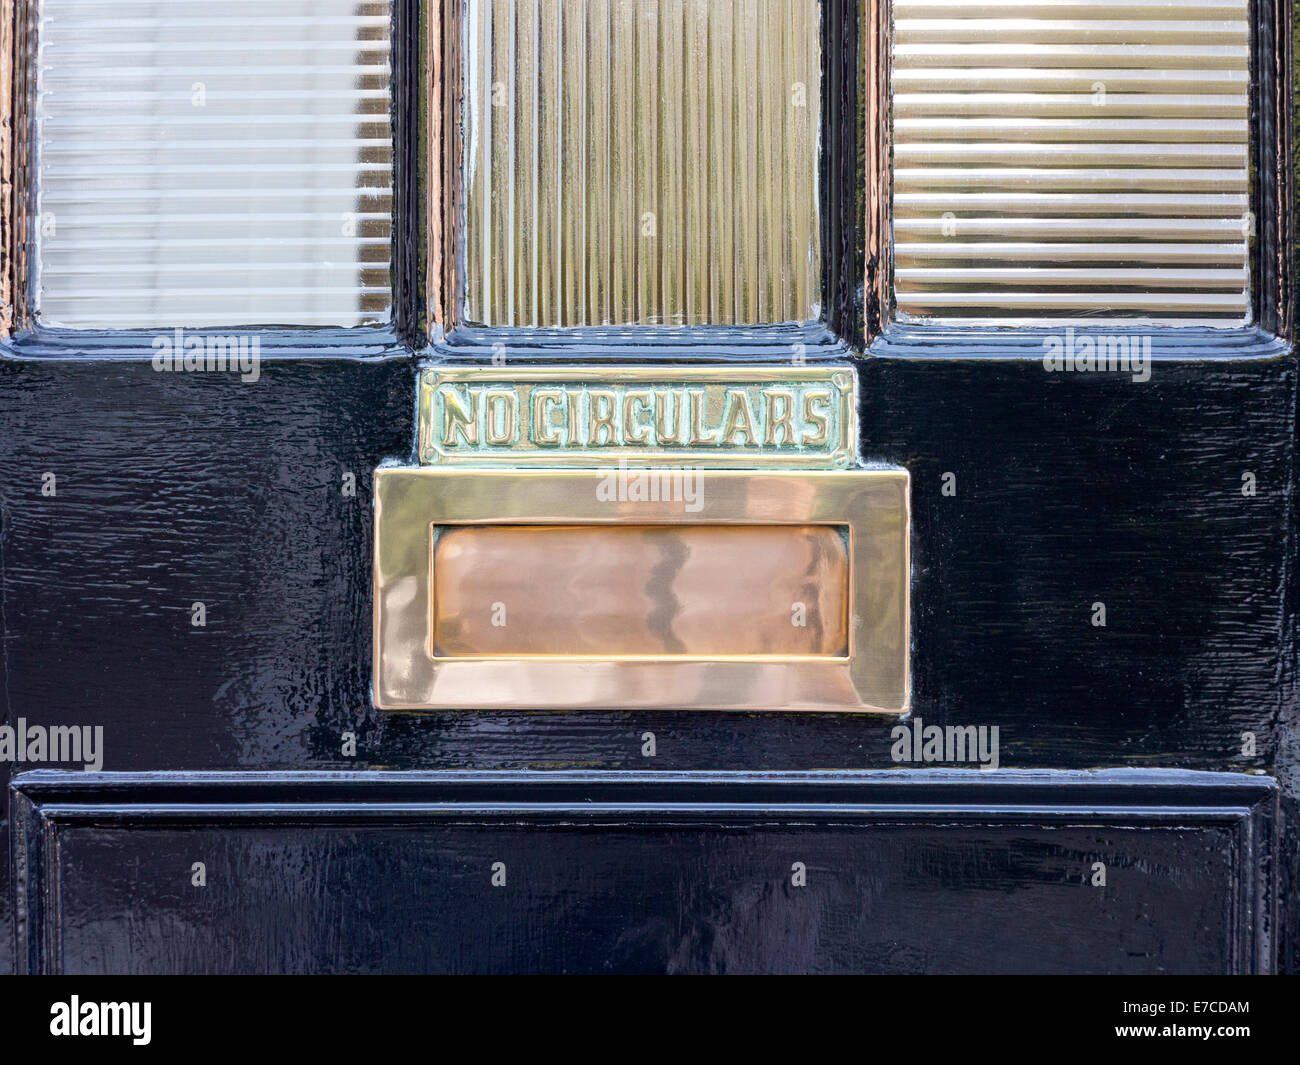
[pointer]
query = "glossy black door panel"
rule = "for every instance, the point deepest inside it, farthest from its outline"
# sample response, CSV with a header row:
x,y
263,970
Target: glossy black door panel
x,y
905,872
183,488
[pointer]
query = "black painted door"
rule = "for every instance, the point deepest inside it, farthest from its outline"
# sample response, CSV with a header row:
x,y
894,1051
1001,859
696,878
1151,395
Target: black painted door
x,y
1104,571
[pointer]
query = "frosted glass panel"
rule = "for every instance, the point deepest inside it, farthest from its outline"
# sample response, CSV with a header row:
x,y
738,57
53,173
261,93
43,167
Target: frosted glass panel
x,y
1059,160
213,162
649,162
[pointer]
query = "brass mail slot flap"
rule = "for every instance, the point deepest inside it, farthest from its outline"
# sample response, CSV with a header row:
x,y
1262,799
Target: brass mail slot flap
x,y
620,591
669,609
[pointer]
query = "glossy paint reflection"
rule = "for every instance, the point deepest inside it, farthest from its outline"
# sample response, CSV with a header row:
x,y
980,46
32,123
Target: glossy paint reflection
x,y
641,590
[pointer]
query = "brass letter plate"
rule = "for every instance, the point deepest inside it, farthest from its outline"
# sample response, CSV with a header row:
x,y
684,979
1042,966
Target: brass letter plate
x,y
655,538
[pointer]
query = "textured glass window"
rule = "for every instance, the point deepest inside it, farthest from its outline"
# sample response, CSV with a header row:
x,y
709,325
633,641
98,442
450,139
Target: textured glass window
x,y
213,162
1066,159
649,162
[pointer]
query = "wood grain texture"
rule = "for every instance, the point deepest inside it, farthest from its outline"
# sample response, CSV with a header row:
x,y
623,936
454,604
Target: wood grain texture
x,y
7,278
183,487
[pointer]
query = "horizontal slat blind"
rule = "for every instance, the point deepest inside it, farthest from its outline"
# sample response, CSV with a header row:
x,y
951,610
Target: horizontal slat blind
x,y
1065,159
649,162
213,162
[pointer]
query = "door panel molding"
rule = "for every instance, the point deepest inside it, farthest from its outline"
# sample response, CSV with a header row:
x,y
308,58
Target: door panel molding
x,y
1013,848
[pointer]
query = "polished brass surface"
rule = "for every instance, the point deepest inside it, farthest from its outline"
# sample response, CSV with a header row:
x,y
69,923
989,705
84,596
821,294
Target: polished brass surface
x,y
411,503
698,416
624,590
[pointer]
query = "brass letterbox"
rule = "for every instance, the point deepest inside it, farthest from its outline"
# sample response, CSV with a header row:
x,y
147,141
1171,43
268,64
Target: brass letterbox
x,y
676,538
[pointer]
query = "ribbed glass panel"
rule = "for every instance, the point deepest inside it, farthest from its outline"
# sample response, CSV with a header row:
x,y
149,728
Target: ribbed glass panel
x,y
649,162
1066,159
213,162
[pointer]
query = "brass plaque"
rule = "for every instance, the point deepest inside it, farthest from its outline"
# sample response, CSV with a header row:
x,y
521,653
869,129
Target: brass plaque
x,y
705,416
